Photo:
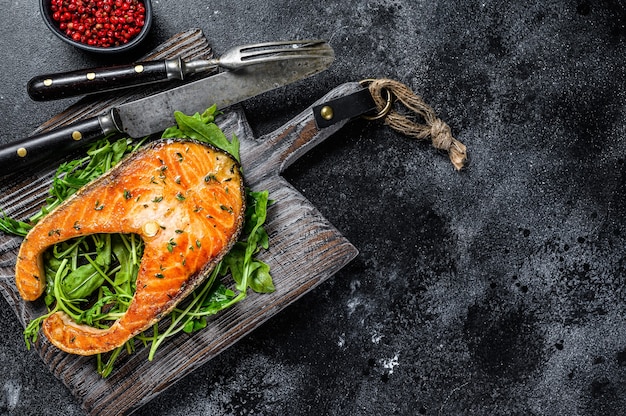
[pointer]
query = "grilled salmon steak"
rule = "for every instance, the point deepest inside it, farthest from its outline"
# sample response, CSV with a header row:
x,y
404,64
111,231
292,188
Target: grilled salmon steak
x,y
187,202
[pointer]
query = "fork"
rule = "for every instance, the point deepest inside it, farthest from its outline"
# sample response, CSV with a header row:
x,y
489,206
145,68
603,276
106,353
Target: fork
x,y
97,80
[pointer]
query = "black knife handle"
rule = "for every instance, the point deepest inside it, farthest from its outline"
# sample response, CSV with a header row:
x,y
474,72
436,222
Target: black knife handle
x,y
95,80
24,153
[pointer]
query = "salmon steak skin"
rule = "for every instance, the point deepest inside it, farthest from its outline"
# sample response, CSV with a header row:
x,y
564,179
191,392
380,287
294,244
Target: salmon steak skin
x,y
185,199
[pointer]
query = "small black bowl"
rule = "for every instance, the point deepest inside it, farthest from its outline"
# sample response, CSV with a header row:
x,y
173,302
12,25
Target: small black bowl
x,y
45,7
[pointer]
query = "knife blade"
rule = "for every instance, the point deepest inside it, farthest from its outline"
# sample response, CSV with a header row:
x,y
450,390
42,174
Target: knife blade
x,y
155,113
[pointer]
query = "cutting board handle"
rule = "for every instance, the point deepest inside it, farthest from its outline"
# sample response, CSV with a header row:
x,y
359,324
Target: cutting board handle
x,y
274,152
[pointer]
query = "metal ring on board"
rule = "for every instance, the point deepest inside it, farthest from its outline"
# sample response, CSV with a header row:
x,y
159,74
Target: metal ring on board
x,y
382,113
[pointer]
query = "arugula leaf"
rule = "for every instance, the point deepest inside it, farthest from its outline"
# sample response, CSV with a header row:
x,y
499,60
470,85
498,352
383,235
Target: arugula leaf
x,y
239,260
128,251
201,127
82,281
260,279
10,226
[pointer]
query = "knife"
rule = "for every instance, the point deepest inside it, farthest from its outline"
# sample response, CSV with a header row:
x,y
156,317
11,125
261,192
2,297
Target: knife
x,y
155,113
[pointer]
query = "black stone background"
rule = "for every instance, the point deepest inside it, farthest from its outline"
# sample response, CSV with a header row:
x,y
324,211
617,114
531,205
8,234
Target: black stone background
x,y
495,291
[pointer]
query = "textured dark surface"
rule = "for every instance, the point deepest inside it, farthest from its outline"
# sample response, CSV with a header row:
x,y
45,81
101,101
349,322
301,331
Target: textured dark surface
x,y
497,291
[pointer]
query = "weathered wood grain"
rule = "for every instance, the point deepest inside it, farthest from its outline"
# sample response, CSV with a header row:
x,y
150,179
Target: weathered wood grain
x,y
305,249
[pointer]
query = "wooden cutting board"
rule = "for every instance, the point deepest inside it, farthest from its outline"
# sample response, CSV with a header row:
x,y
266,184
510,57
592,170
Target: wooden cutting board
x,y
305,250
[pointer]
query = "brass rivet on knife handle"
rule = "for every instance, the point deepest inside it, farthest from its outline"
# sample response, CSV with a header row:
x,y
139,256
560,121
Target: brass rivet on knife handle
x,y
433,127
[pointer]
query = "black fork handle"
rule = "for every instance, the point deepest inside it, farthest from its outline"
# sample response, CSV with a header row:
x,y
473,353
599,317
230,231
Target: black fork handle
x,y
97,80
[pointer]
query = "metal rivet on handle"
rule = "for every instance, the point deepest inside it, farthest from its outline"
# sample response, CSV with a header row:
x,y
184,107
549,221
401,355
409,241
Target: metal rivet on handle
x,y
91,76
327,112
47,82
21,152
76,135
139,68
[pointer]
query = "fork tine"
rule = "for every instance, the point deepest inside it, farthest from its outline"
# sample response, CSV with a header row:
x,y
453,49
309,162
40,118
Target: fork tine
x,y
317,46
282,56
285,43
244,55
310,50
285,52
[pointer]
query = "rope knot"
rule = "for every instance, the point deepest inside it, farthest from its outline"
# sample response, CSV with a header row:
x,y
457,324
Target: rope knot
x,y
441,135
433,127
